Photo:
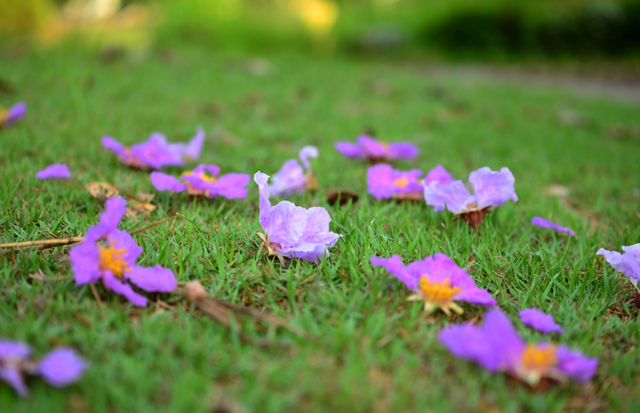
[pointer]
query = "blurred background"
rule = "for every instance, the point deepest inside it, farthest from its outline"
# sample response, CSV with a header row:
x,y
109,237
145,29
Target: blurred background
x,y
498,30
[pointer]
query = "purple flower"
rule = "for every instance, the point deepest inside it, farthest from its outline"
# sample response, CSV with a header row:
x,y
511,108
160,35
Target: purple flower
x,y
497,347
156,152
10,116
377,151
491,189
292,231
545,223
627,263
292,177
198,182
109,255
437,281
59,368
385,182
58,170
540,321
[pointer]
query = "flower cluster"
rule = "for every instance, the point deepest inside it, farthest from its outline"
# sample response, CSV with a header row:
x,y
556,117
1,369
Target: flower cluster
x,y
383,181
375,151
203,181
292,177
10,116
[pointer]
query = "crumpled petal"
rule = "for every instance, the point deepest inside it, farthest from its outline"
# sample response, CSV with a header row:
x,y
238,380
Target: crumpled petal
x,y
114,284
113,145
13,349
540,321
58,170
193,149
85,262
231,186
315,238
115,208
14,379
306,153
468,342
265,206
402,150
288,179
545,223
493,188
395,266
350,150
575,365
164,182
453,197
153,279
439,174
62,367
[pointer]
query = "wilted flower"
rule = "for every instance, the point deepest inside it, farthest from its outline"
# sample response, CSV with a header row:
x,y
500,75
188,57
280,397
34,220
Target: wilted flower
x,y
59,368
385,182
198,182
11,115
156,152
292,177
109,254
491,189
376,151
58,170
437,281
292,231
545,223
627,263
540,321
496,346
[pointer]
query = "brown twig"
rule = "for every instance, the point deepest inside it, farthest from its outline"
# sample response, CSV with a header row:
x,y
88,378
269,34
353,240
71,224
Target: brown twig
x,y
95,294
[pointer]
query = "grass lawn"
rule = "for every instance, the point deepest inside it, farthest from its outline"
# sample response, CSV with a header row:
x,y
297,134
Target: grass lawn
x,y
371,351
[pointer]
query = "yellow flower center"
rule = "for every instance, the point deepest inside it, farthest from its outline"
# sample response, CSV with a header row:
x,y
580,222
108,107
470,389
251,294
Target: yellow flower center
x,y
4,114
536,359
202,176
401,182
112,259
438,293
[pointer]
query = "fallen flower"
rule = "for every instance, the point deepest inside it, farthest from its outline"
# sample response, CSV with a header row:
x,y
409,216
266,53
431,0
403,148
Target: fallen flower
x,y
491,189
540,321
545,223
156,152
292,177
58,170
383,181
627,263
108,254
376,151
436,280
9,116
198,182
292,231
496,346
59,368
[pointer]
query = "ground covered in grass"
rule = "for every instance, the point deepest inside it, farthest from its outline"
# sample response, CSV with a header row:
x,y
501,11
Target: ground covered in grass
x,y
370,349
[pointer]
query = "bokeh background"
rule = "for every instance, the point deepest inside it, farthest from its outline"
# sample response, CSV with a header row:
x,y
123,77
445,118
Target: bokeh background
x,y
442,29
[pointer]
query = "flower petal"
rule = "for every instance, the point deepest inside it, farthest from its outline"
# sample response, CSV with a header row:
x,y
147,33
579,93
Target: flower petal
x,y
540,321
14,379
85,261
231,186
62,367
439,174
349,149
493,188
113,145
373,148
402,150
193,149
153,279
545,223
13,349
453,197
395,267
58,170
114,284
115,208
14,113
288,179
265,206
306,153
164,182
575,365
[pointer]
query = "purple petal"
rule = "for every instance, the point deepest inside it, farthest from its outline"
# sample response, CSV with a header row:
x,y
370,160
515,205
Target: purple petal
x,y
114,284
58,170
14,378
493,188
121,239
85,261
306,153
540,321
502,338
153,279
575,365
631,258
545,223
115,208
286,224
453,197
288,179
193,149
380,181
265,206
164,182
13,349
231,186
315,238
439,174
395,267
373,148
350,150
157,152
113,145
14,113
470,343
213,170
62,367
614,258
402,150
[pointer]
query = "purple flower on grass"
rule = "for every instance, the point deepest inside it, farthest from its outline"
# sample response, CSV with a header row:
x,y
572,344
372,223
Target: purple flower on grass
x,y
58,170
203,181
109,255
9,116
496,346
491,189
383,181
59,368
627,263
292,177
437,281
545,223
156,152
540,321
377,151
292,231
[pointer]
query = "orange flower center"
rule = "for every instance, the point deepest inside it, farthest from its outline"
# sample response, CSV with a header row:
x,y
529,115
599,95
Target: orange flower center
x,y
202,176
538,359
401,182
112,259
4,114
438,293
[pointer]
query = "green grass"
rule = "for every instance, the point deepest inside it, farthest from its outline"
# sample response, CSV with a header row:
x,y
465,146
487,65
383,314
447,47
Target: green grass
x,y
371,351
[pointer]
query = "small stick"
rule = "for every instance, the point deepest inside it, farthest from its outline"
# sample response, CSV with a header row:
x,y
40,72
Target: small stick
x,y
95,294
